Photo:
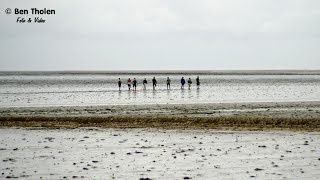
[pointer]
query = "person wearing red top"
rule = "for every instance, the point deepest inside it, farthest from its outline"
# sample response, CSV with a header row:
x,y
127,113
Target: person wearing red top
x,y
129,84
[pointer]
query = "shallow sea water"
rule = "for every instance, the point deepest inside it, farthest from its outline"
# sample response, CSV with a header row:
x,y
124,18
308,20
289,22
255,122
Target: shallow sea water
x,y
54,88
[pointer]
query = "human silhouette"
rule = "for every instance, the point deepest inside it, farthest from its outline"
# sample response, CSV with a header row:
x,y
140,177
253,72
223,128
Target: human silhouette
x,y
189,83
134,84
154,83
145,82
182,81
198,82
129,84
168,83
119,84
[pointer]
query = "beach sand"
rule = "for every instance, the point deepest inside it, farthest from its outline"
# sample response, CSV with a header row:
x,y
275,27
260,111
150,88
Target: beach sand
x,y
94,153
256,115
264,140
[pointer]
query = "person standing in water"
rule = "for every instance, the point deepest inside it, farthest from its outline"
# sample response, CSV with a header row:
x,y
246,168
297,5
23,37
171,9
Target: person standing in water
x,y
129,84
198,82
145,82
134,84
119,84
154,83
168,83
189,83
182,81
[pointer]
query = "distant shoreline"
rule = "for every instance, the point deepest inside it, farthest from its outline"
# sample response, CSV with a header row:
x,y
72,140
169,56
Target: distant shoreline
x,y
199,72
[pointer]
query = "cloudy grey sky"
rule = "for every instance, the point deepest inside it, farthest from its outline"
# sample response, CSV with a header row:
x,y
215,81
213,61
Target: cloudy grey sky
x,y
162,34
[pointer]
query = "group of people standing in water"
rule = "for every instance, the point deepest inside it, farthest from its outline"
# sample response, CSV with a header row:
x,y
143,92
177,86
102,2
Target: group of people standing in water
x,y
134,83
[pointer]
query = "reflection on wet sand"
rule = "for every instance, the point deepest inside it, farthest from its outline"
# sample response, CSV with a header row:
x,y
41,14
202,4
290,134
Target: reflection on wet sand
x,y
46,90
198,93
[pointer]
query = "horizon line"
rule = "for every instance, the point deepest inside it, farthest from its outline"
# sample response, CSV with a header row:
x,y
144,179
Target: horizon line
x,y
136,70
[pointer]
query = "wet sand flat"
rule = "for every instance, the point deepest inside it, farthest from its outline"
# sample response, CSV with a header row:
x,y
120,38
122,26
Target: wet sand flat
x,y
258,115
94,153
56,126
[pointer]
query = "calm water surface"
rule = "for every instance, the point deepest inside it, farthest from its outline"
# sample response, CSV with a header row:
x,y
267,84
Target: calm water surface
x,y
78,88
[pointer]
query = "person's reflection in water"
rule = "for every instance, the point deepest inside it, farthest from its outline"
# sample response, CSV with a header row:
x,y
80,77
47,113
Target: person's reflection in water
x,y
145,97
189,93
168,94
182,93
154,94
198,93
129,95
119,96
135,94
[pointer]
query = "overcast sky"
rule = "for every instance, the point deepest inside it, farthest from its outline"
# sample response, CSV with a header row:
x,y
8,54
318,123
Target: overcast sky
x,y
163,34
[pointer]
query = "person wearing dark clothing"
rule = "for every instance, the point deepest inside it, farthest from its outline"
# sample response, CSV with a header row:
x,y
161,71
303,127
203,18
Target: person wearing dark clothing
x,y
119,84
154,82
134,84
189,83
145,82
198,82
168,83
182,81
